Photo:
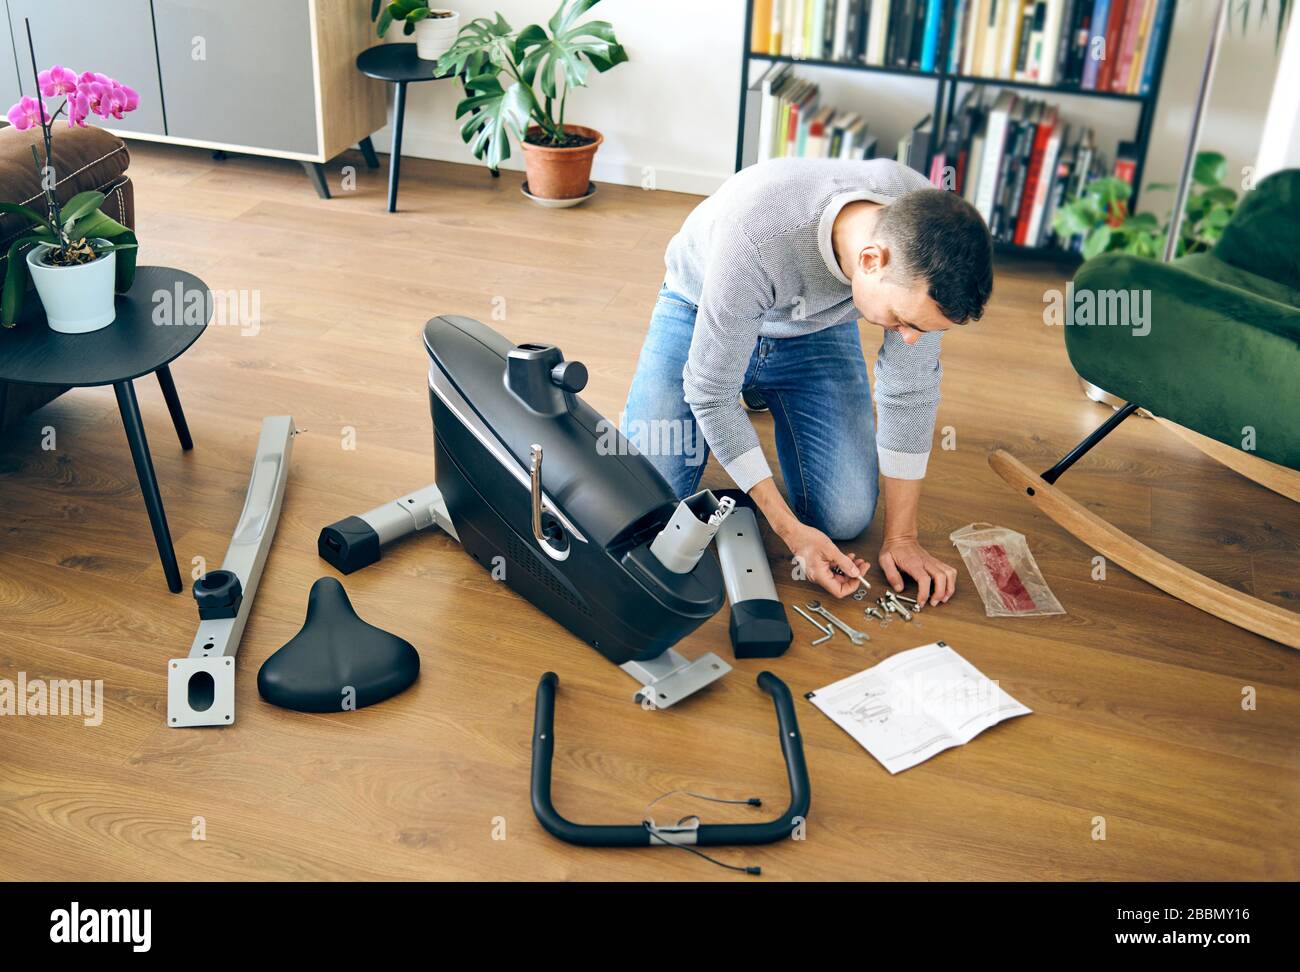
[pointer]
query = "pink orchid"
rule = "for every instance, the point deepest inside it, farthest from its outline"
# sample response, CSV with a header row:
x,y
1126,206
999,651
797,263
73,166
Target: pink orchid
x,y
27,113
95,93
122,99
57,81
78,108
87,92
130,98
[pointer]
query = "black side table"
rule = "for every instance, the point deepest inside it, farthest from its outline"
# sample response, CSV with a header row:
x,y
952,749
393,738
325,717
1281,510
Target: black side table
x,y
399,64
132,346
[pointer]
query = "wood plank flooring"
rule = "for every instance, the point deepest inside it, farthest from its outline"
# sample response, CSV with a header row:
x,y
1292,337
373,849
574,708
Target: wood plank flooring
x,y
1138,717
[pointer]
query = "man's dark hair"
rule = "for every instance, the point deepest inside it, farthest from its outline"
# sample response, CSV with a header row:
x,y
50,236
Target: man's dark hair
x,y
940,237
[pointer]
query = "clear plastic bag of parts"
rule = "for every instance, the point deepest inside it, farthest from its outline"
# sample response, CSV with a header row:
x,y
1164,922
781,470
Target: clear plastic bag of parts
x,y
1004,572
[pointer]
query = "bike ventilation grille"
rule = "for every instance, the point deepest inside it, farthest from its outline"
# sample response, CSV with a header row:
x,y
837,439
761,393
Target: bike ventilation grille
x,y
522,555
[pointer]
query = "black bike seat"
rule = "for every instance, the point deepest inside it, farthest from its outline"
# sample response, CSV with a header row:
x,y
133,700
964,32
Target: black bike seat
x,y
337,661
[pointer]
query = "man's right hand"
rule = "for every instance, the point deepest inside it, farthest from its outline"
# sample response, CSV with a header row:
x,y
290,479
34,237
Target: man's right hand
x,y
821,559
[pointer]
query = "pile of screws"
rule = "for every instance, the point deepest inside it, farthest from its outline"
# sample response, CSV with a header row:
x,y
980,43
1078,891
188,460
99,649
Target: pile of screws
x,y
891,605
885,609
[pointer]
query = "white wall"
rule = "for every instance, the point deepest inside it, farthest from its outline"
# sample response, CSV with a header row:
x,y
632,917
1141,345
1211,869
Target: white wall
x,y
673,108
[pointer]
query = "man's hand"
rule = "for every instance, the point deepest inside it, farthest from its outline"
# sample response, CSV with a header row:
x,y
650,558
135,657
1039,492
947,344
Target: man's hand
x,y
935,580
821,560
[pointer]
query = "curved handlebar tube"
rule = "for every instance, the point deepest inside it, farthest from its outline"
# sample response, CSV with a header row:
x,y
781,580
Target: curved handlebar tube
x,y
638,835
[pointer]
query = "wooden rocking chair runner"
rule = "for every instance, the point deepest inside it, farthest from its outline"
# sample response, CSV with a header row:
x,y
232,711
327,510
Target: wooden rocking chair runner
x,y
1211,347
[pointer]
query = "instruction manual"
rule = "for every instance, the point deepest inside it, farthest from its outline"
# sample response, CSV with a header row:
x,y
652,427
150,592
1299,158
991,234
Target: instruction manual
x,y
916,704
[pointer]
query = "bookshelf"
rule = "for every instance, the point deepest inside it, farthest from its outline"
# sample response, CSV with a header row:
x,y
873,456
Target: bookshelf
x,y
946,84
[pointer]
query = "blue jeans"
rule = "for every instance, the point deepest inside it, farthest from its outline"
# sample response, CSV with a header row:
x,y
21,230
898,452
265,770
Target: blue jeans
x,y
817,389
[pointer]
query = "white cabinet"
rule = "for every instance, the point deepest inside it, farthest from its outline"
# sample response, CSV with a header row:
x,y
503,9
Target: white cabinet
x,y
263,77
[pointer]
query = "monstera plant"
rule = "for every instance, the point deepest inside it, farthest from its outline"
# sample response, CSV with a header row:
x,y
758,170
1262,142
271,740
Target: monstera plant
x,y
517,84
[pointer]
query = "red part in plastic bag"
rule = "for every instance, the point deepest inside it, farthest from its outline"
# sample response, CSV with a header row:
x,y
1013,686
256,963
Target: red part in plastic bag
x,y
1010,587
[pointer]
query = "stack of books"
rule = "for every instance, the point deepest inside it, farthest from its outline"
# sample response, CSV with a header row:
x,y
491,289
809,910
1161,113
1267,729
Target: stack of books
x,y
1096,45
785,118
1016,161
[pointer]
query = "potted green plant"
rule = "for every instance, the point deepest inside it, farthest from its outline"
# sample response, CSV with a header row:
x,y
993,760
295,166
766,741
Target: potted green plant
x,y
435,28
70,251
541,66
1100,214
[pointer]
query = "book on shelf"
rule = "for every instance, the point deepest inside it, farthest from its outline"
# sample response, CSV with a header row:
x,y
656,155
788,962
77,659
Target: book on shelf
x,y
1099,45
1016,160
784,117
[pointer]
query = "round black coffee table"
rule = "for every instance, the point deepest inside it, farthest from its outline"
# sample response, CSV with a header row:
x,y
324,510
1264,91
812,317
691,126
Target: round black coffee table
x,y
162,314
400,65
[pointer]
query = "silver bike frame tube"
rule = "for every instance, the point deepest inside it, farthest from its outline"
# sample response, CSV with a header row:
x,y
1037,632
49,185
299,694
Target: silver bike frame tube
x,y
201,687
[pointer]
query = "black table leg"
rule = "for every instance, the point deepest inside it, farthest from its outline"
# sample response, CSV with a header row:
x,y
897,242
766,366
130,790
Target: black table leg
x,y
168,386
368,150
316,173
395,160
135,437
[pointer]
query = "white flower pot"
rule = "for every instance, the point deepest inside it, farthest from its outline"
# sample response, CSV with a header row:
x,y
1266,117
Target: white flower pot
x,y
76,299
435,35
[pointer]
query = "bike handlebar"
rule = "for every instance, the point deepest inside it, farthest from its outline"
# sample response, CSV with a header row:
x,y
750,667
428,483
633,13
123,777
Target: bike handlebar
x,y
638,835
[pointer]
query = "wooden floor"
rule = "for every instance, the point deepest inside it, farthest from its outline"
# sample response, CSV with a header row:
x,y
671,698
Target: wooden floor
x,y
1137,698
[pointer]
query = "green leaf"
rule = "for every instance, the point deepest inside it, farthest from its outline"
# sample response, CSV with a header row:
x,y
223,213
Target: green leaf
x,y
374,8
1097,242
1142,221
1069,221
567,13
1218,218
78,206
15,283
494,112
1109,189
31,215
569,53
125,270
1221,195
480,43
98,224
1210,168
385,21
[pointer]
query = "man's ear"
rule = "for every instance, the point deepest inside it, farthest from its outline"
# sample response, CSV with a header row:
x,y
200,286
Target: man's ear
x,y
873,256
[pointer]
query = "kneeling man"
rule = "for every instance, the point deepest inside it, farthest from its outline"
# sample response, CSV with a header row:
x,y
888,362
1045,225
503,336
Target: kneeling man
x,y
765,283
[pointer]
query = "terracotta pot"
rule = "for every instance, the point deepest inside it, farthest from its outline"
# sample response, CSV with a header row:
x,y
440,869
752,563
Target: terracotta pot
x,y
560,173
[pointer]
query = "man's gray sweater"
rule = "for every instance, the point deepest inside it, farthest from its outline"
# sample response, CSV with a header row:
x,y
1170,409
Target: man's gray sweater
x,y
756,257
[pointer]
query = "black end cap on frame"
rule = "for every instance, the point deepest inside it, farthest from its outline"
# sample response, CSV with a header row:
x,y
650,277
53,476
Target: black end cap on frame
x,y
349,544
759,629
218,594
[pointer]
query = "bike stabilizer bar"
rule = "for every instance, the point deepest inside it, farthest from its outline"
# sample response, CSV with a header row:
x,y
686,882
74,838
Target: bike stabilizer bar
x,y
685,833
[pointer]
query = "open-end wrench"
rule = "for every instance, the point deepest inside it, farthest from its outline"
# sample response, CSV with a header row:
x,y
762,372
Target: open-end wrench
x,y
855,636
825,629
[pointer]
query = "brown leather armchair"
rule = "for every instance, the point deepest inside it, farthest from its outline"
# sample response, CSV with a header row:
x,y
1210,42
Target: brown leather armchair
x,y
84,158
